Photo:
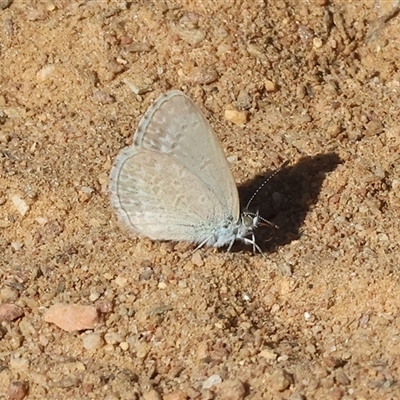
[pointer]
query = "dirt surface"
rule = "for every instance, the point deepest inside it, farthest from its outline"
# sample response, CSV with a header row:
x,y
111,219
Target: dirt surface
x,y
312,82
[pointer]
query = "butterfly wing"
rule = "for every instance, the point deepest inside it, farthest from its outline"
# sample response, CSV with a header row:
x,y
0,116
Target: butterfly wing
x,y
175,125
154,196
174,182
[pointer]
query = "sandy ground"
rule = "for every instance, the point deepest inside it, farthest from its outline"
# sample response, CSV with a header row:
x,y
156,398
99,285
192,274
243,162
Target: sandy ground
x,y
317,84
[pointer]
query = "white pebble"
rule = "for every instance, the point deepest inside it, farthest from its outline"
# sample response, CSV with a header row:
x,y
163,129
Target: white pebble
x,y
121,281
20,204
113,338
94,296
17,245
92,341
211,381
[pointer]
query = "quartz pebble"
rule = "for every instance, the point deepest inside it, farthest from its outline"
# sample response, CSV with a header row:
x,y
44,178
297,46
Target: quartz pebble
x,y
92,341
20,204
211,381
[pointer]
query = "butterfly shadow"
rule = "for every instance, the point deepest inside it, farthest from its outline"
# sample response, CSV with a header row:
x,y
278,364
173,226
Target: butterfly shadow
x,y
285,199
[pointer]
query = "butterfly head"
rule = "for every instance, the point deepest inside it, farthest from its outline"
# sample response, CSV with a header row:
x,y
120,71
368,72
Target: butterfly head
x,y
249,222
245,227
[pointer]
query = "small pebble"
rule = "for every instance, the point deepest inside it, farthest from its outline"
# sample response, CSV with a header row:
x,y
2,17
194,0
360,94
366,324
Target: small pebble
x,y
333,362
124,346
4,137
197,260
297,396
104,306
20,204
19,364
202,75
140,86
342,378
146,273
26,328
42,220
333,130
270,86
5,4
116,66
281,380
142,349
10,312
268,354
94,296
72,317
176,395
85,194
244,100
305,33
102,97
17,246
373,128
121,281
45,73
8,294
92,341
232,390
191,36
236,117
15,112
138,47
113,338
68,382
317,43
308,316
211,381
382,237
18,390
152,395
256,51
162,285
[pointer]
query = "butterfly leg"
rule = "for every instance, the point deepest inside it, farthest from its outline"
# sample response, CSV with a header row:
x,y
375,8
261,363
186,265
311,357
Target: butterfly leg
x,y
230,245
252,241
201,244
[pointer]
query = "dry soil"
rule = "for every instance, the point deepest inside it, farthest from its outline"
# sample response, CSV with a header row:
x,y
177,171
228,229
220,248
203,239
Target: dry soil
x,y
315,83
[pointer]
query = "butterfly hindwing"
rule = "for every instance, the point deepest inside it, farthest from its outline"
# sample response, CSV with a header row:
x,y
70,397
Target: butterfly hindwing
x,y
155,196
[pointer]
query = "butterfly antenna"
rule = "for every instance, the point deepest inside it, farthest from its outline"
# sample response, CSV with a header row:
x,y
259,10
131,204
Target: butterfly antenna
x,y
263,184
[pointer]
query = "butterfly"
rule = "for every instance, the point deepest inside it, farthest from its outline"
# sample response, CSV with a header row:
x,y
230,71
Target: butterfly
x,y
174,181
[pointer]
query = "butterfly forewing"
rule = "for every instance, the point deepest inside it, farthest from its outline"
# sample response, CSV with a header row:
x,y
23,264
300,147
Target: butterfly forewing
x,y
175,125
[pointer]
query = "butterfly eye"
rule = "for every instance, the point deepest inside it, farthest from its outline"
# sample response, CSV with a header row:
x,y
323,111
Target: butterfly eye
x,y
248,220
